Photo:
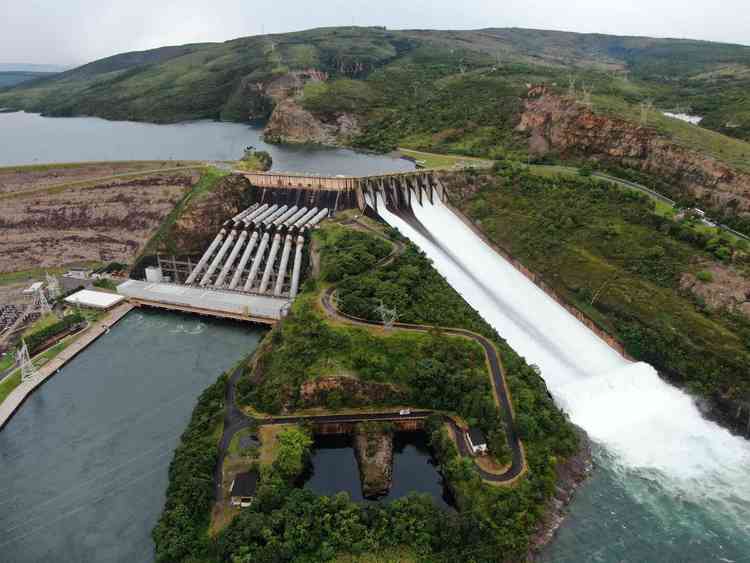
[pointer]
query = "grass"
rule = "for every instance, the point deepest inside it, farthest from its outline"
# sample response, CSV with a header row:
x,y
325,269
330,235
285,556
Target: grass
x,y
92,183
269,443
7,360
14,380
7,278
42,323
234,446
735,152
441,161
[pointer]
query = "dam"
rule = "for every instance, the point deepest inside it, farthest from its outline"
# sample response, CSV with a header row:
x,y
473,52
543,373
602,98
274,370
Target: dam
x,y
666,477
252,268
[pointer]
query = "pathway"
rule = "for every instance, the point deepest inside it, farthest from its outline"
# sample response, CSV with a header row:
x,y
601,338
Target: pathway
x,y
16,397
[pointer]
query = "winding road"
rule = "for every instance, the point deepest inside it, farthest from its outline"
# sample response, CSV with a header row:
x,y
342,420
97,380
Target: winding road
x,y
235,419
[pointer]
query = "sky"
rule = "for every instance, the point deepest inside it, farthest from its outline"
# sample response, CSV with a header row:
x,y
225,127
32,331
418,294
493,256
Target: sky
x,y
72,32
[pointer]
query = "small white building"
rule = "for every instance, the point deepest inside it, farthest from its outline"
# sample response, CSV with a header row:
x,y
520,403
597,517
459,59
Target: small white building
x,y
94,299
154,274
33,288
78,273
477,441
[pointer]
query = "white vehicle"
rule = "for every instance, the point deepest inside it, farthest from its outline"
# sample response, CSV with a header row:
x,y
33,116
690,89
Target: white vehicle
x,y
404,412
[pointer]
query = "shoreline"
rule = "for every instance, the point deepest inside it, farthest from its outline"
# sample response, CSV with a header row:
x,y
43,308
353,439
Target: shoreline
x,y
23,391
570,476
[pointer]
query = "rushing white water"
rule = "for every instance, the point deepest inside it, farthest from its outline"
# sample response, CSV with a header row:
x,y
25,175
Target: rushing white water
x,y
649,429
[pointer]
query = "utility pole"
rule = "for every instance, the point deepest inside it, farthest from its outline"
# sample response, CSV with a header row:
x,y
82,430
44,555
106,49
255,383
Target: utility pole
x,y
572,87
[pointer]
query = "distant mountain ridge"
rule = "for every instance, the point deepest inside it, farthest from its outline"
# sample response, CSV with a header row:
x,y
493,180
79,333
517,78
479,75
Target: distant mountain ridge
x,y
29,67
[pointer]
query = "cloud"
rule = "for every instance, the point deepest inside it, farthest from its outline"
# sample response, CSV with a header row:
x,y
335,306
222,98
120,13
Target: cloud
x,y
78,31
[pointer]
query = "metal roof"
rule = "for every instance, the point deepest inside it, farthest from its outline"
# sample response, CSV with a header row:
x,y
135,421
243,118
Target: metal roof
x,y
212,299
245,484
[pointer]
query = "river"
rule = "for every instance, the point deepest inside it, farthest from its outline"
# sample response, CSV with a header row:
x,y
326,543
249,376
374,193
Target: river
x,y
83,463
669,485
28,138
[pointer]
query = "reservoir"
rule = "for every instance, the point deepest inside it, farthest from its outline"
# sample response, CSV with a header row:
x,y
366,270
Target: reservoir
x,y
28,138
83,464
668,485
334,469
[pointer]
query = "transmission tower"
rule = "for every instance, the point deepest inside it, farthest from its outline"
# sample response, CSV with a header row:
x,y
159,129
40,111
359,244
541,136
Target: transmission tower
x,y
28,369
388,316
41,305
53,287
586,96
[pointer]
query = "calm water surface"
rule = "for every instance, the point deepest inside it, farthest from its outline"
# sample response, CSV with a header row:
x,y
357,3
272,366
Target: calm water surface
x,y
83,464
334,469
27,138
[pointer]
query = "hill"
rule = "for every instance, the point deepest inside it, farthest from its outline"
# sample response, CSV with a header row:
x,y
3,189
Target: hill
x,y
464,92
11,78
220,80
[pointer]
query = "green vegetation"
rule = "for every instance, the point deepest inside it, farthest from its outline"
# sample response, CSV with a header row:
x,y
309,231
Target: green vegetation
x,y
705,276
605,250
105,283
51,328
182,531
447,90
255,161
345,252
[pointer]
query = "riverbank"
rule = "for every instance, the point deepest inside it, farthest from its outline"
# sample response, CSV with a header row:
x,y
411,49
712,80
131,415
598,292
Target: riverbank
x,y
18,396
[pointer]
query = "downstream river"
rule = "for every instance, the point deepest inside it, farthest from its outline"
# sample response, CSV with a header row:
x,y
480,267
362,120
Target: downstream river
x,y
669,485
28,138
83,463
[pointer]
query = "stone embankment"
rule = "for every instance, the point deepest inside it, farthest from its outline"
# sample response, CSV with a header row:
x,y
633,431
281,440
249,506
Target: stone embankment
x,y
373,448
16,397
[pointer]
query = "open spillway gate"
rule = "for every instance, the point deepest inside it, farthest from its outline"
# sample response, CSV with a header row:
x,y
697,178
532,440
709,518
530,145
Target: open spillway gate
x,y
396,191
252,268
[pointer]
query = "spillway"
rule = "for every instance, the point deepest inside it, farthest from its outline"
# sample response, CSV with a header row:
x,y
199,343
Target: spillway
x,y
679,475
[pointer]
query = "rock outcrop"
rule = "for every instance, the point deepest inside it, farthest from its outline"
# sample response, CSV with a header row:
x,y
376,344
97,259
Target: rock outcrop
x,y
571,474
328,391
373,448
559,124
291,123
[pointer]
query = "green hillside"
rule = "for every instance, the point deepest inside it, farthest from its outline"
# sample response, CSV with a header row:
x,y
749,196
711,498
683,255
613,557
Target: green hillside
x,y
388,75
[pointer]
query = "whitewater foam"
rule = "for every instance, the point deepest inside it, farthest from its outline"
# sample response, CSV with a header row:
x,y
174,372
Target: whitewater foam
x,y
654,431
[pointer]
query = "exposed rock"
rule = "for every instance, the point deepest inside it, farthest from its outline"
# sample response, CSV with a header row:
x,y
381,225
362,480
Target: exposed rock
x,y
291,123
349,389
373,448
205,216
560,124
728,288
571,474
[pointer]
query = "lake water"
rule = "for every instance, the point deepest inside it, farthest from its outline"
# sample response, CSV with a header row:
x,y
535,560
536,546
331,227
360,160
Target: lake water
x,y
27,138
334,469
83,464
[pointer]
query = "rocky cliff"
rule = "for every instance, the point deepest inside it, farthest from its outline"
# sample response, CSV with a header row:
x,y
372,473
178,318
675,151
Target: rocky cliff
x,y
290,122
562,125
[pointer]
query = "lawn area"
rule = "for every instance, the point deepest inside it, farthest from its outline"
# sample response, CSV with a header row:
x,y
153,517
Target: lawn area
x,y
37,274
41,324
437,161
7,360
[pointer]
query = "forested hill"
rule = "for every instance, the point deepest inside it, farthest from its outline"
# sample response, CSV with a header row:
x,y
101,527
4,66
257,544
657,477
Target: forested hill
x,y
390,69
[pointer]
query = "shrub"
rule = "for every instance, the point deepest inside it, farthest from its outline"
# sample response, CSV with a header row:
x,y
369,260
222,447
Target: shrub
x,y
705,276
